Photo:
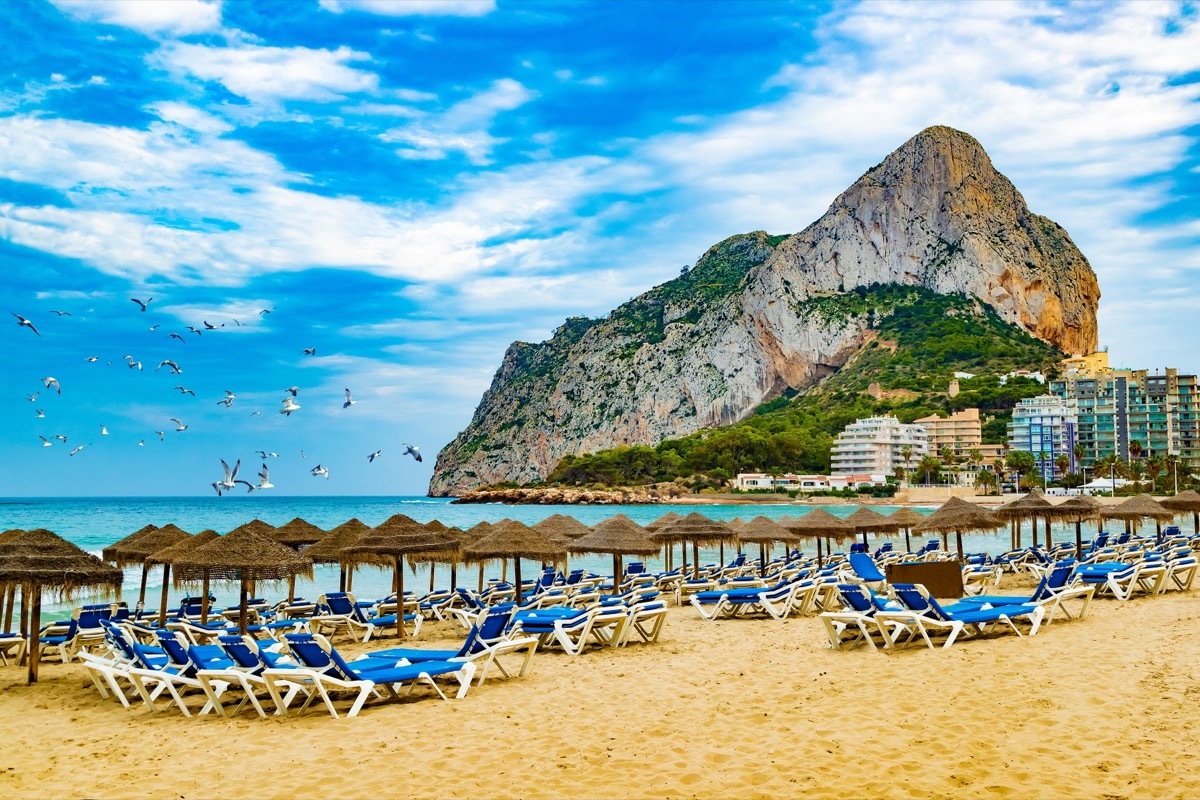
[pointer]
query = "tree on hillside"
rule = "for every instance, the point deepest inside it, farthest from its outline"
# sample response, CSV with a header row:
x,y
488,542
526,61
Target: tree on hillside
x,y
930,466
1021,462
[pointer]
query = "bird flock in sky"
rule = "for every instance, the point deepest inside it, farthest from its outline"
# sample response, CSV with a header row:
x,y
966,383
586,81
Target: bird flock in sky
x,y
230,479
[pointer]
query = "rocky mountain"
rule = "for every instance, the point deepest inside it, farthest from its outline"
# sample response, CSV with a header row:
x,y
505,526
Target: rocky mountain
x,y
738,329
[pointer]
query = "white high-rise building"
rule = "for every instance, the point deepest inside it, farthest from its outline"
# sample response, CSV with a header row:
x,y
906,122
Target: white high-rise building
x,y
1045,426
876,445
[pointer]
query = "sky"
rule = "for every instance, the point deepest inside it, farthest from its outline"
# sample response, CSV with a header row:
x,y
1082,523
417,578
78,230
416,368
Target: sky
x,y
408,187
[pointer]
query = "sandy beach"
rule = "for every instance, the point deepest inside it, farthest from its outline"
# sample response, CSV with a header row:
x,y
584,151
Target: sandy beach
x,y
741,708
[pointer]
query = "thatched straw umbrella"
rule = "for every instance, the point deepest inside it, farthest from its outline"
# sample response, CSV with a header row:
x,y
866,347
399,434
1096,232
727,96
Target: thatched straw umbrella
x,y
8,591
329,549
478,531
1184,502
616,536
38,560
763,531
958,516
820,524
380,548
109,553
297,534
1076,509
256,525
167,555
451,553
137,549
1135,509
562,526
241,556
868,520
516,541
663,521
697,529
1033,506
906,518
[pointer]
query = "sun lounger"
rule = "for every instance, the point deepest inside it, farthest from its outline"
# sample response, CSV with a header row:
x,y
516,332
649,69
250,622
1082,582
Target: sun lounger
x,y
1053,590
922,610
486,641
858,622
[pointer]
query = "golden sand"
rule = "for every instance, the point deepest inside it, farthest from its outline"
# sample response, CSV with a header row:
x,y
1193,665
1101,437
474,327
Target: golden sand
x,y
1101,707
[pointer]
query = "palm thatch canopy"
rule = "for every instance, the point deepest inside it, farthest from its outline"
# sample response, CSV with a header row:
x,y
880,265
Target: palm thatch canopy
x,y
167,555
241,555
329,549
617,535
1032,506
449,550
1141,507
819,523
42,559
871,521
436,525
296,533
398,523
695,528
511,539
958,516
255,526
762,530
137,549
1079,507
110,553
1183,502
906,517
11,533
561,526
663,521
385,549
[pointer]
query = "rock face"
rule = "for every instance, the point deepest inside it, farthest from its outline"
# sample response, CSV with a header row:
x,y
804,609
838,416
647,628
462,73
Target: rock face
x,y
709,347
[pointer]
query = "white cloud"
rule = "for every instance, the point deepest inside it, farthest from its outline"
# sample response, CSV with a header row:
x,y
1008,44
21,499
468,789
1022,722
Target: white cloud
x,y
464,127
405,8
167,17
270,74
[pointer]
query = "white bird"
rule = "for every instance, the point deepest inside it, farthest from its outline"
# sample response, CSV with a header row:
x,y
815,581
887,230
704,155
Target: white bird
x,y
319,470
141,305
293,389
175,370
289,405
266,311
256,413
266,454
374,455
46,442
235,322
310,351
179,425
184,390
302,454
142,443
264,479
103,431
159,434
61,313
231,477
208,326
77,449
176,336
349,401
22,322
40,414
133,364
412,450
91,359
127,358
227,401
61,438
32,397
195,331
217,486
154,327
52,382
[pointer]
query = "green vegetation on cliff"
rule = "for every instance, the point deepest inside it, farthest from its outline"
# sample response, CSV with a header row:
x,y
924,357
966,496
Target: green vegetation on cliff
x,y
922,338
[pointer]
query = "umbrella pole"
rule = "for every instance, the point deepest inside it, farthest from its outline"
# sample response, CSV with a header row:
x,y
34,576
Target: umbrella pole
x,y
958,540
721,554
616,573
1049,536
481,576
6,604
762,559
907,539
946,541
291,589
432,573
204,600
400,599
341,578
820,560
242,609
141,603
162,603
517,577
24,620
695,559
864,533
35,636
453,576
1078,539
1018,544
350,579
1195,522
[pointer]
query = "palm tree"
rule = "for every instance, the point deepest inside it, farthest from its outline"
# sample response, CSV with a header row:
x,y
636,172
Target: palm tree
x,y
1080,451
1154,467
1135,449
906,454
998,466
1137,471
1062,463
986,480
950,459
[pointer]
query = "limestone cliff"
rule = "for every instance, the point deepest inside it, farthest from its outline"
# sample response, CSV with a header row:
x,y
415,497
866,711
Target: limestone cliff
x,y
708,347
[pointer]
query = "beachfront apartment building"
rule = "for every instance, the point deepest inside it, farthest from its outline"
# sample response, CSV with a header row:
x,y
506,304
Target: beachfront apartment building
x,y
961,431
1046,427
876,445
1117,407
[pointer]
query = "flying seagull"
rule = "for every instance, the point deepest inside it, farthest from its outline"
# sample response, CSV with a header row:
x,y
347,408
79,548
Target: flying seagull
x,y
46,442
349,401
32,397
235,322
265,311
77,449
40,414
227,401
103,430
412,450
293,389
319,470
184,390
256,413
61,438
91,359
133,364
22,322
264,479
52,382
374,455
176,336
195,331
310,351
231,477
141,305
266,454
159,434
175,370
61,313
155,327
289,405
210,327
302,454
179,425
142,443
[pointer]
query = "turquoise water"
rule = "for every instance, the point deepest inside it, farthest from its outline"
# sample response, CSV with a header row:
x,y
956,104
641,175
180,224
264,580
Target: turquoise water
x,y
94,523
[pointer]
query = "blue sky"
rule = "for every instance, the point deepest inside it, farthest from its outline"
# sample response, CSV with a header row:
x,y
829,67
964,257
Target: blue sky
x,y
413,185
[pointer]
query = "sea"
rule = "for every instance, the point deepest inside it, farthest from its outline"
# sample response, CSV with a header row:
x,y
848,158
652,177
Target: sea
x,y
94,523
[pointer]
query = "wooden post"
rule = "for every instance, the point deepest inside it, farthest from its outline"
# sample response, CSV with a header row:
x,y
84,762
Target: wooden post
x,y
350,578
242,608
162,604
517,574
142,591
24,622
820,559
1079,538
5,607
204,601
481,576
907,539
400,598
958,538
341,578
864,533
695,559
453,576
616,574
721,554
762,559
1049,536
291,589
35,635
